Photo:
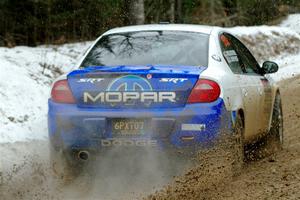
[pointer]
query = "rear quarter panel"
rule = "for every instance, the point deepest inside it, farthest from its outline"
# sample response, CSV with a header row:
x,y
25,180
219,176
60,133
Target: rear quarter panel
x,y
219,71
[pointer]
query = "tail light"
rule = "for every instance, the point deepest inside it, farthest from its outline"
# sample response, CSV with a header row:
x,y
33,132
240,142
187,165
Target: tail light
x,y
204,91
61,92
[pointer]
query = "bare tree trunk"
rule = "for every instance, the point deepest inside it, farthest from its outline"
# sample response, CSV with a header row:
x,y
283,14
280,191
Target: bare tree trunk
x,y
136,11
157,14
172,11
48,33
178,16
211,8
35,24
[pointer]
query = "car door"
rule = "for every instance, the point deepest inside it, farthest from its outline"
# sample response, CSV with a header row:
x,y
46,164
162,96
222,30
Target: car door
x,y
250,84
262,86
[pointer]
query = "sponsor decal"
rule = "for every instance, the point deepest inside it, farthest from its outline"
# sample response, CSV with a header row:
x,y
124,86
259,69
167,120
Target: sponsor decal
x,y
231,56
129,89
118,97
130,83
128,142
90,80
174,80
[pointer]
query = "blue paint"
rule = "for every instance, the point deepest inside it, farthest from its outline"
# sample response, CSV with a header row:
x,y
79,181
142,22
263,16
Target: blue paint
x,y
82,125
85,127
113,77
130,83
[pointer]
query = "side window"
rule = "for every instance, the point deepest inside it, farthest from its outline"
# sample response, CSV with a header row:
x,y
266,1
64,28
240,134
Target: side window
x,y
248,61
230,54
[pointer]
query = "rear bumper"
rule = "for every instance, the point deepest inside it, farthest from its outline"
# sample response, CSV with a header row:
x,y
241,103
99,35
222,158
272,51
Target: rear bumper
x,y
192,126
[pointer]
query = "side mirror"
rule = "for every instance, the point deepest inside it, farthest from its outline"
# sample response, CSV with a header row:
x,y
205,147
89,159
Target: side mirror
x,y
269,67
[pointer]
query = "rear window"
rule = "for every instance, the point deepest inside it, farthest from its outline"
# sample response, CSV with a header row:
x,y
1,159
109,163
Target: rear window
x,y
150,48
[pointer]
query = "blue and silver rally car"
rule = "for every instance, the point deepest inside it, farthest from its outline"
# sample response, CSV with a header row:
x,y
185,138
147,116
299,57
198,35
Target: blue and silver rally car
x,y
165,87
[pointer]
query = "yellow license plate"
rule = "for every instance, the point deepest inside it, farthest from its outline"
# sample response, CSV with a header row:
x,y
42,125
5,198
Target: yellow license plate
x,y
128,126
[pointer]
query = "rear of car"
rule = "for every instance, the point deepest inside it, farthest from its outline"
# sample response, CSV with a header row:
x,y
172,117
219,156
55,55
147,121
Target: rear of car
x,y
139,89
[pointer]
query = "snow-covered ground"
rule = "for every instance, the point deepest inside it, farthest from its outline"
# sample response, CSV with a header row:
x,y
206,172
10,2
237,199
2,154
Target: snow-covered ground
x,y
268,42
277,43
26,74
292,22
289,67
25,79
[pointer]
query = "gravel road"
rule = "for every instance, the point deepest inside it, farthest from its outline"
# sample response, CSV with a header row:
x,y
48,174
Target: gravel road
x,y
25,172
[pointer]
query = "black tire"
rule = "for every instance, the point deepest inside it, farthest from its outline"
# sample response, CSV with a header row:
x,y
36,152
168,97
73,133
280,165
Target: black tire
x,y
237,146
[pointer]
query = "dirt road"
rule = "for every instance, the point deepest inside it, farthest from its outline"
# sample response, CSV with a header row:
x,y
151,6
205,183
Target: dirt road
x,y
275,177
25,172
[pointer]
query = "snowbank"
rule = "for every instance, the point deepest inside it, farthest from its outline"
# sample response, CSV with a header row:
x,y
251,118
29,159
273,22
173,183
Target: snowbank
x,y
25,79
289,67
268,41
277,43
292,22
26,74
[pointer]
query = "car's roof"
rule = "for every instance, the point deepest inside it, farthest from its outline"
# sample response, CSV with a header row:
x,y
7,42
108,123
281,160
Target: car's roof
x,y
170,27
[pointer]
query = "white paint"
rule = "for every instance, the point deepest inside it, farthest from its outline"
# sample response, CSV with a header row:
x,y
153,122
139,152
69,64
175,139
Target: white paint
x,y
193,127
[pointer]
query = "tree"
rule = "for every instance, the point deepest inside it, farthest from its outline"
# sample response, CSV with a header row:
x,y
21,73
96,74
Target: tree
x,y
34,22
136,11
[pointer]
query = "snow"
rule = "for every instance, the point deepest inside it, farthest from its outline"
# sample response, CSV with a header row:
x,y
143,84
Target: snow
x,y
289,67
267,42
277,43
27,73
292,22
266,30
25,79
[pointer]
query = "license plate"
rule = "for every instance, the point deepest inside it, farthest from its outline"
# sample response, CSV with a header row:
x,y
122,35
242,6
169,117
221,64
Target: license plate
x,y
128,127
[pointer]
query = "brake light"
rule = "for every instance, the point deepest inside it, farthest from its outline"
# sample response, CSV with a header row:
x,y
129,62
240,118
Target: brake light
x,y
61,92
204,91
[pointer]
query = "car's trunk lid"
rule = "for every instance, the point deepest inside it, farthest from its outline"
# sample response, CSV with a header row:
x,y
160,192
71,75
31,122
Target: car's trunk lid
x,y
133,86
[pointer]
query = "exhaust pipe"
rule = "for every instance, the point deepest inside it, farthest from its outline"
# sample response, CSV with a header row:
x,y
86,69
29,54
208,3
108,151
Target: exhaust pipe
x,y
83,155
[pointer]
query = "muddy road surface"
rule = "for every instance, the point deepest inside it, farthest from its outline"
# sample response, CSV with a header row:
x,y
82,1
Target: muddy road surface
x,y
25,172
274,177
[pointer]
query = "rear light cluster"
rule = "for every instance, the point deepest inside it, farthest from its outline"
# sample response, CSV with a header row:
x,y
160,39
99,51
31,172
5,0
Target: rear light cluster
x,y
61,92
204,91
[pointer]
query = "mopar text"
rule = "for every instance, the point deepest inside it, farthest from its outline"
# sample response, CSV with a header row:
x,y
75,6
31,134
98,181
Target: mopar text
x,y
117,97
